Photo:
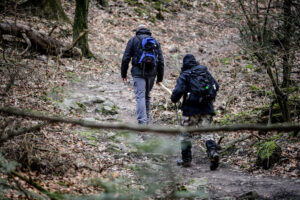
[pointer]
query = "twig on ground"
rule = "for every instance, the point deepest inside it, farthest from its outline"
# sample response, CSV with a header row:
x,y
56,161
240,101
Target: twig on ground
x,y
240,139
28,44
19,187
13,133
100,170
36,185
76,40
52,30
220,140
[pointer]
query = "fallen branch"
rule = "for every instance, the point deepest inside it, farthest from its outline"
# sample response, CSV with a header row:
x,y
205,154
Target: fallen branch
x,y
100,170
13,133
28,44
76,40
148,128
40,41
220,140
52,30
71,48
240,139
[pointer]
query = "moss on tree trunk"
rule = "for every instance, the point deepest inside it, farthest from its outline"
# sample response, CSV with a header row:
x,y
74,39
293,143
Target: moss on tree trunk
x,y
81,24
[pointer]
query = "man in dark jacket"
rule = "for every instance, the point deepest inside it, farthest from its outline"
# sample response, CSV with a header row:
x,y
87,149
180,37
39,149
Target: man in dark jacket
x,y
143,80
194,113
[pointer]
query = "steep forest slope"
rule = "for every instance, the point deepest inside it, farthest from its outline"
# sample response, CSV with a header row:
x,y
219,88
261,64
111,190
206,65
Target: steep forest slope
x,y
70,161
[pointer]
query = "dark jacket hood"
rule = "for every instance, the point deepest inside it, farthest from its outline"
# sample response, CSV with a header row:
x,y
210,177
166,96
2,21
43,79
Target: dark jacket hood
x,y
189,61
143,31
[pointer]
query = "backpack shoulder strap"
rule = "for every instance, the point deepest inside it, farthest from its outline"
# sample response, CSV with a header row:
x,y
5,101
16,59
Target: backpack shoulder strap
x,y
139,46
139,39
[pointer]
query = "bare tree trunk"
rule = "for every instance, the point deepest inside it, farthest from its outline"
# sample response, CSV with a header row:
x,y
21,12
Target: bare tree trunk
x,y
287,17
286,63
80,25
280,96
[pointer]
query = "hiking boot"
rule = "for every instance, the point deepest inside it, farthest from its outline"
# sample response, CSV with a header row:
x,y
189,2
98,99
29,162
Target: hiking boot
x,y
186,154
184,163
214,159
212,153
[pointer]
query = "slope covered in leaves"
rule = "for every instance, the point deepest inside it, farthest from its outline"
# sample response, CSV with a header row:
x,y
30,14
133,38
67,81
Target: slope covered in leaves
x,y
72,160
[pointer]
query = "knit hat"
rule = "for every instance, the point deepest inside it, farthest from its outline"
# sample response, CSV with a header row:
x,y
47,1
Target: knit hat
x,y
141,26
189,61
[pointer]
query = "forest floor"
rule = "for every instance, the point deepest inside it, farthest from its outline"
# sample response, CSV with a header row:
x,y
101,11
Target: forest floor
x,y
158,151
74,160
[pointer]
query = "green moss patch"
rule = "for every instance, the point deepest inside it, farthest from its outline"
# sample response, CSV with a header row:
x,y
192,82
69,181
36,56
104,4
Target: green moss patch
x,y
90,134
268,153
266,149
241,117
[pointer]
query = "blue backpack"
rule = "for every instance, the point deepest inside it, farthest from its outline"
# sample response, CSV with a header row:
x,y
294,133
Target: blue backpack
x,y
148,55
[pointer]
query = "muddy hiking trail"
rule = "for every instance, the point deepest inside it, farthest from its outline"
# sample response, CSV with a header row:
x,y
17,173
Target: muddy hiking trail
x,y
83,161
157,153
226,182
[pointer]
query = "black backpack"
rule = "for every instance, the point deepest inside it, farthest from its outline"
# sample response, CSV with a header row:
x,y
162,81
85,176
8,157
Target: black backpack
x,y
148,53
201,88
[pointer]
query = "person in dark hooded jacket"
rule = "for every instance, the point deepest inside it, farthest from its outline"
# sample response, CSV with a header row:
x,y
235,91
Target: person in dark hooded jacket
x,y
194,113
143,80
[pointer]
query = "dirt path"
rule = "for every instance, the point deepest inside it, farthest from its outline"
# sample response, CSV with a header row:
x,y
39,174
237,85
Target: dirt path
x,y
177,39
224,182
229,182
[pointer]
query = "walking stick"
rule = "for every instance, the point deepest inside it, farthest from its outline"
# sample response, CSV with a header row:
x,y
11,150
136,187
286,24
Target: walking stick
x,y
176,110
165,88
175,105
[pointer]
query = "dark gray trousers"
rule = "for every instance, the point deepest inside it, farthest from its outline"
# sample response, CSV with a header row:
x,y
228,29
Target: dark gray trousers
x,y
142,88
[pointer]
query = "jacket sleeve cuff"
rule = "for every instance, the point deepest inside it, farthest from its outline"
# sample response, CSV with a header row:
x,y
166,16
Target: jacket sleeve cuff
x,y
159,78
173,100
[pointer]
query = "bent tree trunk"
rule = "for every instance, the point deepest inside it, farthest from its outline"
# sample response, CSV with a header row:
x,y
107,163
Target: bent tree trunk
x,y
50,9
80,25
